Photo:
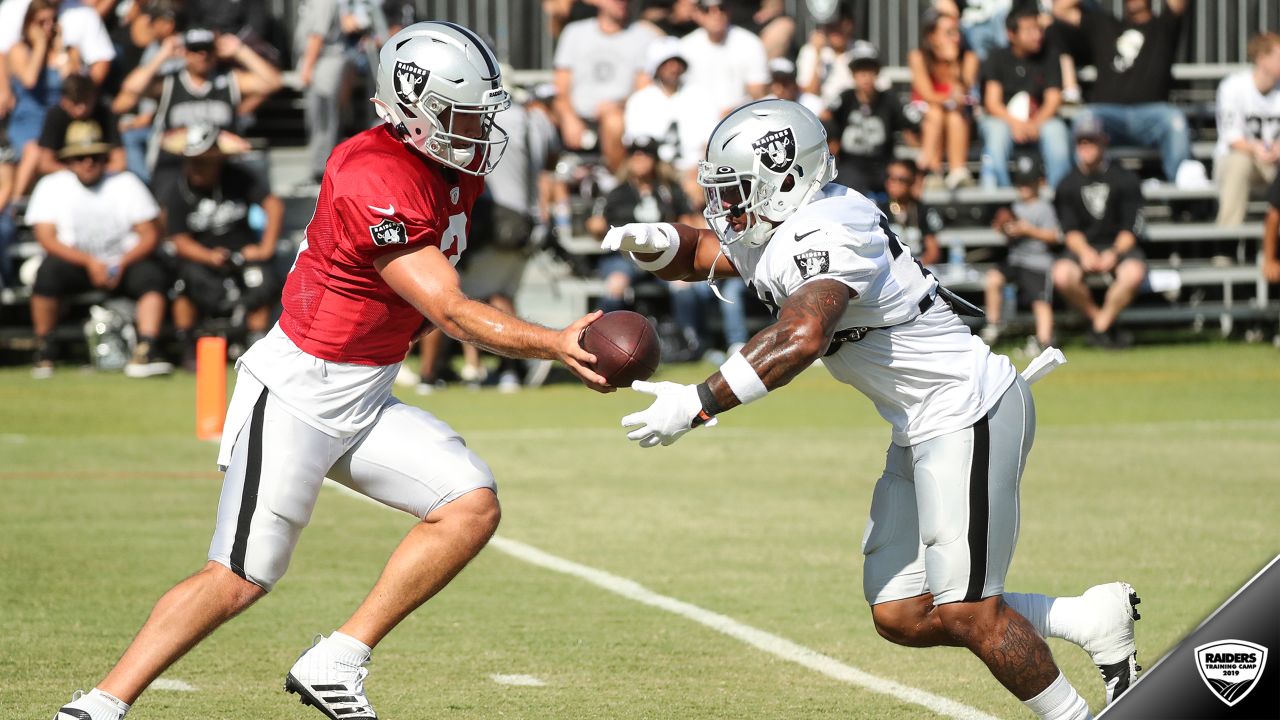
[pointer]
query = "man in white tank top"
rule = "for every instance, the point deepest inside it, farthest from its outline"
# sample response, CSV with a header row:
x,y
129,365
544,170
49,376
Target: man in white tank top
x,y
844,288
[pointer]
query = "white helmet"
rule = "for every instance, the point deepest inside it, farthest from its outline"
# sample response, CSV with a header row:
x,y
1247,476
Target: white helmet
x,y
431,75
765,160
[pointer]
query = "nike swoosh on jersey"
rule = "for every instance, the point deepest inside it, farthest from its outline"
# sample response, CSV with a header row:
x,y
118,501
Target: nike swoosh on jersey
x,y
801,236
388,210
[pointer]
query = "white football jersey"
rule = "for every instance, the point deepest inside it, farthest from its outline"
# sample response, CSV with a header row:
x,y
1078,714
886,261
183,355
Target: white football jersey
x,y
926,372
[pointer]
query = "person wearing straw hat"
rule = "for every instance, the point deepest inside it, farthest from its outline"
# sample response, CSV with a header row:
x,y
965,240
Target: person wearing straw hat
x,y
99,232
207,211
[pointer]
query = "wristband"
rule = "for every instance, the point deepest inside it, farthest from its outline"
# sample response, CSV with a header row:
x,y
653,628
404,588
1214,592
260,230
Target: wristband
x,y
710,406
742,379
667,255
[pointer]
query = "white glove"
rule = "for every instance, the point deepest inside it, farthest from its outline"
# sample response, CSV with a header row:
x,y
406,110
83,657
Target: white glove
x,y
670,416
636,237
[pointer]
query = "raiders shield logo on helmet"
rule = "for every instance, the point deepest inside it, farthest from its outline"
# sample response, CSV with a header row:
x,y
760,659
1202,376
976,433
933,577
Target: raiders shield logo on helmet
x,y
389,232
410,81
813,262
777,150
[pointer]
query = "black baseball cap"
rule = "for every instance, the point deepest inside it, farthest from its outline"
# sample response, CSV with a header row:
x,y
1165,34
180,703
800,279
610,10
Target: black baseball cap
x,y
644,144
1027,171
198,39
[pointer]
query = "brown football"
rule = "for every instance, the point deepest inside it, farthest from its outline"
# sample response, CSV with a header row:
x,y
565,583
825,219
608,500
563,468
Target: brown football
x,y
625,345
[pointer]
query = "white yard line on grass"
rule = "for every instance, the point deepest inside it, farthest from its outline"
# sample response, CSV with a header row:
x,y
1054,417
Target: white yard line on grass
x,y
517,680
768,642
171,684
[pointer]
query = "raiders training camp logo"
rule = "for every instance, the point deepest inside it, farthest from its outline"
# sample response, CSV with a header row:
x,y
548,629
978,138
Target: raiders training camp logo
x,y
1095,199
1230,668
389,232
813,262
777,150
410,82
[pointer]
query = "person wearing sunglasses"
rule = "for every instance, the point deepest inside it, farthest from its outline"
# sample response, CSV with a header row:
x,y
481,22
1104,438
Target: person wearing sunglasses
x,y
99,232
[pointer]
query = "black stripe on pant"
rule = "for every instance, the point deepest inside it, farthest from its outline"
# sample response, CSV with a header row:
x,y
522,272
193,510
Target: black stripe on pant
x,y
249,493
979,510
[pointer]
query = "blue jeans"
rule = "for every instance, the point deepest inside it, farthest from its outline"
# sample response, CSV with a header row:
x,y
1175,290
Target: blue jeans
x,y
1158,125
135,151
987,35
8,231
997,147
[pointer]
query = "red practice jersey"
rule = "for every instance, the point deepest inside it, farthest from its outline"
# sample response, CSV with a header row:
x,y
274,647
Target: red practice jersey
x,y
378,196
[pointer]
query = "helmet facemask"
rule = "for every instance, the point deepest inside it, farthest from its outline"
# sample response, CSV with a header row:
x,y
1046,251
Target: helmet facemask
x,y
732,194
442,130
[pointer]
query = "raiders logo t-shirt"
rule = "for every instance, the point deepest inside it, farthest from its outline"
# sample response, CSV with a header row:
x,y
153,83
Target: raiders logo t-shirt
x,y
1101,204
1135,62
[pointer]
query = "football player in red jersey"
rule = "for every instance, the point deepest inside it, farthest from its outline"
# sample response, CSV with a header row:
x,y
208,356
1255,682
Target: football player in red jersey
x,y
313,398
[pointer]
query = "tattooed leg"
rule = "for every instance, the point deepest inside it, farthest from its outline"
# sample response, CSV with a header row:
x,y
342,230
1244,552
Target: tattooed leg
x,y
1016,655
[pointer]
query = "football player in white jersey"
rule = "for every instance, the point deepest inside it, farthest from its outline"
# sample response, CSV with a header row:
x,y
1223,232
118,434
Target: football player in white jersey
x,y
944,514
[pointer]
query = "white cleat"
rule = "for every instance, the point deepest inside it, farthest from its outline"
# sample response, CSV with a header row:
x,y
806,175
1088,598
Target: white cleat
x,y
87,707
1112,645
331,682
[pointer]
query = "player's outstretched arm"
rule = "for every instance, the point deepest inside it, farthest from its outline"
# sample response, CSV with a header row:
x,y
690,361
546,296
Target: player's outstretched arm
x,y
672,251
777,354
769,360
426,279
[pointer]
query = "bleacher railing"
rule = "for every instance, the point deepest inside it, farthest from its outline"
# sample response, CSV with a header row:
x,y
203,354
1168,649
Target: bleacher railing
x,y
1218,32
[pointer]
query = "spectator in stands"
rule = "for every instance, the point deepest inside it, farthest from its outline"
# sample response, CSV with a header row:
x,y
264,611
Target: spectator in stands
x,y
673,17
1031,227
8,224
560,13
1022,91
782,84
863,124
1248,128
598,63
515,207
1134,55
153,30
225,267
943,78
669,112
248,20
916,223
1099,205
981,21
1271,237
322,70
727,64
79,27
79,101
823,63
765,19
99,232
200,93
39,62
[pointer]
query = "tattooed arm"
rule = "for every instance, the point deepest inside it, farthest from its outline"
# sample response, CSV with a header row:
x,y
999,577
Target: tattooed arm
x,y
801,335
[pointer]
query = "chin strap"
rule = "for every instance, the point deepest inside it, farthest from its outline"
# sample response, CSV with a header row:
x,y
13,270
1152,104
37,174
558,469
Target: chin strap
x,y
711,277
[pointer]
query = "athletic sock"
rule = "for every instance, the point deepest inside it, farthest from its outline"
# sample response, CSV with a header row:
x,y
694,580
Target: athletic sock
x,y
1059,701
1051,617
348,645
109,699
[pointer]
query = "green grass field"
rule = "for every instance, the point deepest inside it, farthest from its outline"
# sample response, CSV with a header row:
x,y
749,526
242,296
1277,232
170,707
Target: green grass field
x,y
1155,465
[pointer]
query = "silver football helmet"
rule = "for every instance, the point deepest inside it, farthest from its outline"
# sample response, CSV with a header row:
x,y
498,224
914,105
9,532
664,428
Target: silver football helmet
x,y
440,86
764,160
